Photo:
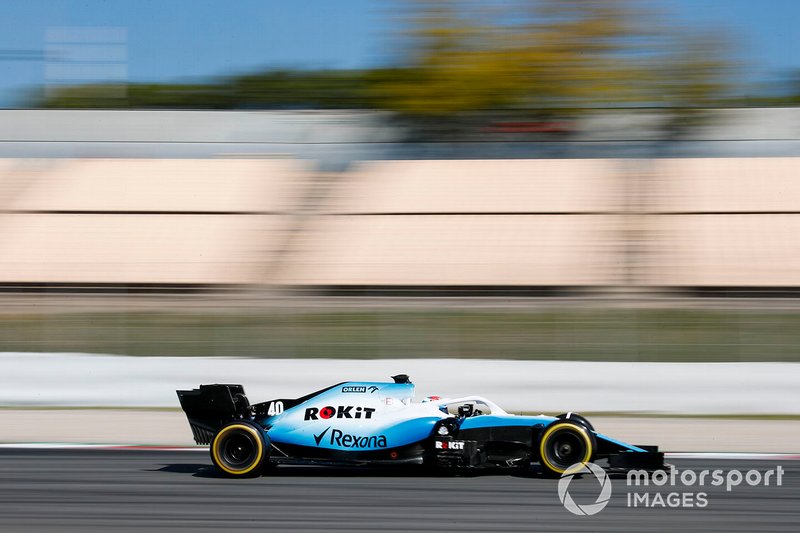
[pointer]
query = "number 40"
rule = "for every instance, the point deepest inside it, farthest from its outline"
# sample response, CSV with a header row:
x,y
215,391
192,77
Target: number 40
x,y
275,408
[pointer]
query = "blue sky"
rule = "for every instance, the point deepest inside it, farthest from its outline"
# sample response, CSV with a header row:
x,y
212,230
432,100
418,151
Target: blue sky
x,y
191,39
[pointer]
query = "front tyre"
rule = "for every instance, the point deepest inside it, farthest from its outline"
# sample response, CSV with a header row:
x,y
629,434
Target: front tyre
x,y
239,450
564,444
578,419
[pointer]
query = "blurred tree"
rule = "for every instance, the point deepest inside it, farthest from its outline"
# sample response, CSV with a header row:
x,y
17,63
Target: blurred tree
x,y
152,95
691,77
453,66
546,57
264,90
343,89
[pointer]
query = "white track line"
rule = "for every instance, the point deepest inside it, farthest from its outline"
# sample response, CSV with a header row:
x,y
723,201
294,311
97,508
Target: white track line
x,y
732,456
75,446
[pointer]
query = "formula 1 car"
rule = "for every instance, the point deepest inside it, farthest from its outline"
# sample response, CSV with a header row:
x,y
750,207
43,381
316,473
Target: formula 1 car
x,y
376,423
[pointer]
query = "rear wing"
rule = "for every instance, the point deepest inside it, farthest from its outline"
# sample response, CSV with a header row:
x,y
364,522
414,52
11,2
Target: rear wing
x,y
212,406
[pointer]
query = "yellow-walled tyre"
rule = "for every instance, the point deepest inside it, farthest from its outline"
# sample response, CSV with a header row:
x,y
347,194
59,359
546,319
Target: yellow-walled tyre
x,y
239,450
564,444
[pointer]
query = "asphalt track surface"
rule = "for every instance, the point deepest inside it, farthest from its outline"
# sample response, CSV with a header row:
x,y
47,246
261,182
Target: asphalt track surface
x,y
132,490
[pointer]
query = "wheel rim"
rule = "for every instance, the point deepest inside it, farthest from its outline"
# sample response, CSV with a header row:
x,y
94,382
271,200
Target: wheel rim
x,y
238,450
565,448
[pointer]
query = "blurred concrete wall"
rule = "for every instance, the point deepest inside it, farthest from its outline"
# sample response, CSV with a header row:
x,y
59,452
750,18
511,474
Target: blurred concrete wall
x,y
723,222
329,138
101,221
334,139
488,223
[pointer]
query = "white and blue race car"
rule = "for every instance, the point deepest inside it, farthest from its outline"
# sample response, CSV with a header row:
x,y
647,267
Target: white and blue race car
x,y
377,423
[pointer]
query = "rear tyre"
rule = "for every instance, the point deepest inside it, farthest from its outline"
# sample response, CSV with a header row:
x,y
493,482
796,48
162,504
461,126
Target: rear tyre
x,y
239,450
564,444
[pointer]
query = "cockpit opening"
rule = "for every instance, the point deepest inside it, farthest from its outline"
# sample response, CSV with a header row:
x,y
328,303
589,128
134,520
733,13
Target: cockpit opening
x,y
466,409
